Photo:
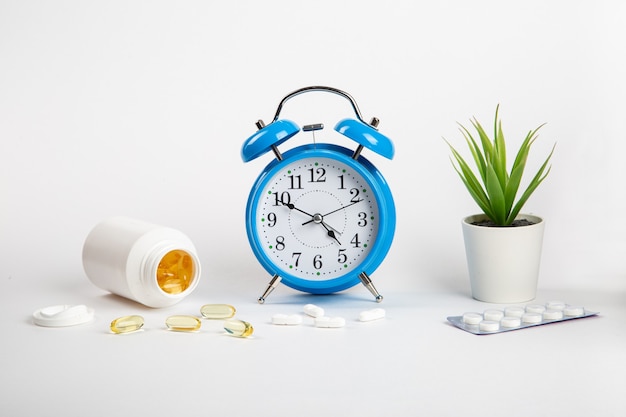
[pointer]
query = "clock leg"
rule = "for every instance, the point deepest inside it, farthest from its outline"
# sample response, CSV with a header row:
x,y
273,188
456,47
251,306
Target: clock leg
x,y
273,284
365,279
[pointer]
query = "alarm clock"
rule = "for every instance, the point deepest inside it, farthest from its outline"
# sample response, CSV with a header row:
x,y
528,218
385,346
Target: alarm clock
x,y
320,218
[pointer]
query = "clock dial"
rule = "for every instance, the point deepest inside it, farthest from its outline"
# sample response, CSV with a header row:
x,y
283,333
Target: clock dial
x,y
316,218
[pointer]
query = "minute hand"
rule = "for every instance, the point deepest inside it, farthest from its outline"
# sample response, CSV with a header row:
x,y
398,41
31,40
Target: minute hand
x,y
334,211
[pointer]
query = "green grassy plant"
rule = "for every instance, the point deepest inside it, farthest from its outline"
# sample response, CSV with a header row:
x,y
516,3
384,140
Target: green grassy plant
x,y
495,189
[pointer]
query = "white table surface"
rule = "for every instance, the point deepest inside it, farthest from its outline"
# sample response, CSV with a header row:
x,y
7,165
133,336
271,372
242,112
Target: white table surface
x,y
411,363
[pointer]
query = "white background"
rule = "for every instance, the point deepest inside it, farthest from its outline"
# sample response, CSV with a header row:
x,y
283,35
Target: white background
x,y
141,108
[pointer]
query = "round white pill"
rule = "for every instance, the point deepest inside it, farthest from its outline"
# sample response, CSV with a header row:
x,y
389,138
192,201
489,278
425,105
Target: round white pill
x,y
552,315
555,305
510,322
287,319
313,310
493,315
489,326
535,308
472,318
370,315
514,311
573,311
532,318
330,322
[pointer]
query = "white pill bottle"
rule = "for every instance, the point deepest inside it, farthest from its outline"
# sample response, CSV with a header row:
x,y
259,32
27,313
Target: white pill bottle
x,y
154,265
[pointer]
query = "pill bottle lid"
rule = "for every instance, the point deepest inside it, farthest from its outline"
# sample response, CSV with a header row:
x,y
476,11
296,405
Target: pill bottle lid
x,y
63,315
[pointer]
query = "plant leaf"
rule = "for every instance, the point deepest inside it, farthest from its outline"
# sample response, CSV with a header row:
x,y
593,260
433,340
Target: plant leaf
x,y
496,196
479,159
534,183
499,162
517,171
471,182
485,141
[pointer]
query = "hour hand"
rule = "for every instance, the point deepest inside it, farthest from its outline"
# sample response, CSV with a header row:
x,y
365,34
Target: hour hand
x,y
290,206
331,232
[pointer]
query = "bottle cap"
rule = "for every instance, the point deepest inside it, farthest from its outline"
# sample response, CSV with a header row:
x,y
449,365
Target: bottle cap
x,y
63,315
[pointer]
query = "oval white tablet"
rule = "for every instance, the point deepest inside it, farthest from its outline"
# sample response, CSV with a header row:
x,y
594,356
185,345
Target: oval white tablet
x,y
330,322
489,326
287,319
374,314
313,310
472,318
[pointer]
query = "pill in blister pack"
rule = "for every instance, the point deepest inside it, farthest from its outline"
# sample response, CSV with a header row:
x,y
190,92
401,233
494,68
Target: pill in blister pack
x,y
518,317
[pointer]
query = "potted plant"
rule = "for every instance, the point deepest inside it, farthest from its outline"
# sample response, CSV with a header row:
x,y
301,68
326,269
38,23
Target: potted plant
x,y
503,247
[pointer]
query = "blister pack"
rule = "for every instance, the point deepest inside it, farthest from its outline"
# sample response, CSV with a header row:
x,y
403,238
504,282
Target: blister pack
x,y
511,318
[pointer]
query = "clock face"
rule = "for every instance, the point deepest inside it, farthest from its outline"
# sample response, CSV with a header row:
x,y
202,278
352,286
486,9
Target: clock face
x,y
315,217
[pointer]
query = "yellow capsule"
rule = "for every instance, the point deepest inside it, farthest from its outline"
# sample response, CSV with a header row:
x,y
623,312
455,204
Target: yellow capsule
x,y
217,311
238,328
127,324
183,323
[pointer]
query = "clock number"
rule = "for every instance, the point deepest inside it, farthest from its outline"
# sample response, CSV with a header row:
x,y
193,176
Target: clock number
x,y
355,241
297,256
296,182
321,175
354,192
341,186
317,262
271,218
342,257
285,198
280,242
362,219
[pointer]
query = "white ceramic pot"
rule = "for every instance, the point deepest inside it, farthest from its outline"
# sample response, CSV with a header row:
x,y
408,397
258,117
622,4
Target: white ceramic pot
x,y
503,262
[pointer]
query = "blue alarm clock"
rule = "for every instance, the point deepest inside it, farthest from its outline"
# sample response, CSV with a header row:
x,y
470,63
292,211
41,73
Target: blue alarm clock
x,y
320,218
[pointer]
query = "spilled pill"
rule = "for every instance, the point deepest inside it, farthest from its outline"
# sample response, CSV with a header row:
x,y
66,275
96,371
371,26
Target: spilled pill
x,y
183,323
127,324
370,315
287,319
313,310
217,311
238,328
330,322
